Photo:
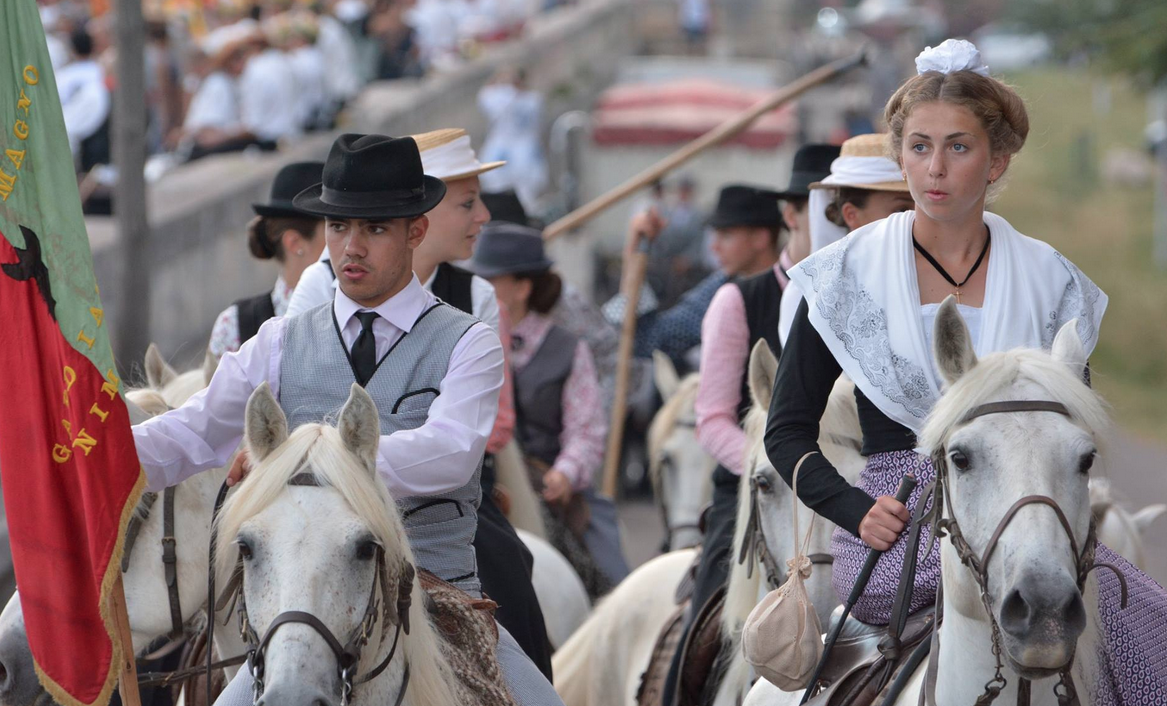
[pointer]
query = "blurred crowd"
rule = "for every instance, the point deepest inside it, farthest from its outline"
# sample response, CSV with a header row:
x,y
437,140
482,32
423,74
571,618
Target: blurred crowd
x,y
230,75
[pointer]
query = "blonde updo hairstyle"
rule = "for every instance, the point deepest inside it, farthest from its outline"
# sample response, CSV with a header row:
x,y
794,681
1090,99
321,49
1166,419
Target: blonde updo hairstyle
x,y
996,104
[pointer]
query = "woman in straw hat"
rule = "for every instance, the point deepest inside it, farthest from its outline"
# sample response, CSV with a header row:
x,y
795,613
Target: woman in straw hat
x,y
864,186
504,563
953,130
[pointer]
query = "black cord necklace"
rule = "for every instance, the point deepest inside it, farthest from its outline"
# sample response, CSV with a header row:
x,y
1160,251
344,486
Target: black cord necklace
x,y
932,261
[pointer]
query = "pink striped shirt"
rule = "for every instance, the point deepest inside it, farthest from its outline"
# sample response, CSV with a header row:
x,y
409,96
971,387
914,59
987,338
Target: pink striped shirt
x,y
725,353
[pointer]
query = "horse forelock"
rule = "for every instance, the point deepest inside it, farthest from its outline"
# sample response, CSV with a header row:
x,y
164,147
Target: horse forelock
x,y
315,449
995,374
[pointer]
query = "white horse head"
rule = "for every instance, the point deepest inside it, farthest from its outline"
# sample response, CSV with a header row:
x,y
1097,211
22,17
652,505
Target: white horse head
x,y
839,439
147,599
680,469
322,549
993,460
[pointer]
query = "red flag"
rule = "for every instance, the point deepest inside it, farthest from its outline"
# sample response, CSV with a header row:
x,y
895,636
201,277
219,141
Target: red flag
x,y
69,471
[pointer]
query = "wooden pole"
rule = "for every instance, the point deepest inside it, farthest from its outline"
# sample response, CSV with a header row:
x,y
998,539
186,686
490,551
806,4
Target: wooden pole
x,y
727,130
129,198
128,671
636,268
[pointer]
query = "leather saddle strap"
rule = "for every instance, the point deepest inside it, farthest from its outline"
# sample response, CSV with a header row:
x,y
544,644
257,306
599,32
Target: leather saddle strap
x,y
134,527
170,562
901,609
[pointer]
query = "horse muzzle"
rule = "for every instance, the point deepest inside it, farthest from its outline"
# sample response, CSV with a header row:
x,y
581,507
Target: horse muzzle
x,y
1041,621
294,695
18,683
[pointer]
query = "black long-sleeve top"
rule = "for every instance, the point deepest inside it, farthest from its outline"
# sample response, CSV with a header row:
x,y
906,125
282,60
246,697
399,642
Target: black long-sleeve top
x,y
807,372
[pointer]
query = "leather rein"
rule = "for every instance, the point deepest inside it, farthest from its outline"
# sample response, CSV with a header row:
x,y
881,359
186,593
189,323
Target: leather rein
x,y
348,654
1064,690
177,633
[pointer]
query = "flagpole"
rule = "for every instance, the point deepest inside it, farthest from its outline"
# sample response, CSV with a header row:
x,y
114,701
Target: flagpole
x,y
127,669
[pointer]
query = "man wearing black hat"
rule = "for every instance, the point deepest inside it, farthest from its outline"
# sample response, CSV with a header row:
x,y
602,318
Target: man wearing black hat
x,y
741,314
433,371
746,228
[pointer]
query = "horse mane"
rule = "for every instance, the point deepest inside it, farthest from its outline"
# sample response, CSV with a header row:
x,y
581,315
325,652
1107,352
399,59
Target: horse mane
x,y
666,420
997,371
319,447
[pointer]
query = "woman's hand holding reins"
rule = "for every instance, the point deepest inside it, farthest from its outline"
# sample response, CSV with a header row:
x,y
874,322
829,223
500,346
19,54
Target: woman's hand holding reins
x,y
883,523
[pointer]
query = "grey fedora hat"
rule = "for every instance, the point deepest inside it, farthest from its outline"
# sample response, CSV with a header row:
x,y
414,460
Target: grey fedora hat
x,y
508,249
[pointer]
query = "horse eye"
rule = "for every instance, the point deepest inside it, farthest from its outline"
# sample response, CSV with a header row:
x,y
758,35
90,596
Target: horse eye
x,y
244,549
1087,462
764,484
367,550
959,460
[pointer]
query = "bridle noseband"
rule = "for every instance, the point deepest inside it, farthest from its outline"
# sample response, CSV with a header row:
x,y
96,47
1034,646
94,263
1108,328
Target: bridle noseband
x,y
979,565
348,655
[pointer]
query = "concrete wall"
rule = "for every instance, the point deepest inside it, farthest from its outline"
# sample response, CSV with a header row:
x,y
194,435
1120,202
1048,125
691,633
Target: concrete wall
x,y
200,263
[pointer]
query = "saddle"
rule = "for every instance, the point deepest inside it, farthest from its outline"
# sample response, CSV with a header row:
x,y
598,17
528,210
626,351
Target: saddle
x,y
699,653
471,640
865,659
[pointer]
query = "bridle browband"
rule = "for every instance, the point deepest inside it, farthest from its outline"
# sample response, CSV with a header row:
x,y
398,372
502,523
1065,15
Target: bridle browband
x,y
1064,690
348,654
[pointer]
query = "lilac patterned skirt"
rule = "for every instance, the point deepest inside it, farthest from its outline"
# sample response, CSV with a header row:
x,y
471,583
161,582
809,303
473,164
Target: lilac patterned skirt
x,y
1134,656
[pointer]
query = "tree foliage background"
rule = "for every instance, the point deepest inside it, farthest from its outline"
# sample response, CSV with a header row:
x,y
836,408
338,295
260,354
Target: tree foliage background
x,y
1129,36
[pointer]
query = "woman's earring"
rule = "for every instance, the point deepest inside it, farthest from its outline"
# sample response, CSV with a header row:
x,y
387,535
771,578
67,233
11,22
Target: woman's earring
x,y
301,250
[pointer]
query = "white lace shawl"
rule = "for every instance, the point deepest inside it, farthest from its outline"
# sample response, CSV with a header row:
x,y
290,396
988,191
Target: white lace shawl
x,y
865,303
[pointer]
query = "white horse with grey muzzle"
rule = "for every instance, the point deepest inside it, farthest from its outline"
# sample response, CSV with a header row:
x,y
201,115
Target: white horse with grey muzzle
x,y
1031,454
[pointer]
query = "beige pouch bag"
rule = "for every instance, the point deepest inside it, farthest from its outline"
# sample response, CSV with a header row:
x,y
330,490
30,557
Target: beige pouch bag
x,y
782,638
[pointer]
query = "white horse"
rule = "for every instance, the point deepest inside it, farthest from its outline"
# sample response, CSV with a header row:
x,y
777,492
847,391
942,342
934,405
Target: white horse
x,y
601,664
1120,529
147,599
681,471
994,459
561,593
335,549
840,441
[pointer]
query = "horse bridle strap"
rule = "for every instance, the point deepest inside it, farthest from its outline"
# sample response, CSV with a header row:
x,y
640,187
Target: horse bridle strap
x,y
1007,406
169,559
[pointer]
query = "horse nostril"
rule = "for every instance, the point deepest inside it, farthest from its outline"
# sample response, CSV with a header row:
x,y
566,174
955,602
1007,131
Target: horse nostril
x,y
1015,613
1074,612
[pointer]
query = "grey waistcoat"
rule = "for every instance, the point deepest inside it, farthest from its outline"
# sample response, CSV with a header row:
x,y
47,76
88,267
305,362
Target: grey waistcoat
x,y
539,395
315,377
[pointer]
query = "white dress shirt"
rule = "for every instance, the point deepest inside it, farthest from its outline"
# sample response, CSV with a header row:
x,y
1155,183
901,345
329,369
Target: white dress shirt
x,y
317,286
214,105
85,100
439,456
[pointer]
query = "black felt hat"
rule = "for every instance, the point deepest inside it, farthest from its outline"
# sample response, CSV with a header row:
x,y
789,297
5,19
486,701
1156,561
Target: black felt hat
x,y
744,205
290,180
812,163
505,207
372,176
508,249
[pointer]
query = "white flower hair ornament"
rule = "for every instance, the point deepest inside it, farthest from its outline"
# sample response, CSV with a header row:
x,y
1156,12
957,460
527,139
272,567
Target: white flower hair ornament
x,y
952,55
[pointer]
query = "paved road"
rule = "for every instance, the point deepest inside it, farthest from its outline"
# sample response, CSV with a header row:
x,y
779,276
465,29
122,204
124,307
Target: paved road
x,y
1138,473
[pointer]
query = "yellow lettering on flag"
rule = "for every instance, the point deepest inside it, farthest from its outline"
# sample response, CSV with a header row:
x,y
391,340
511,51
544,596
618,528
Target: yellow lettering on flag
x,y
84,441
98,411
7,183
70,379
20,129
98,315
88,341
17,157
31,76
61,453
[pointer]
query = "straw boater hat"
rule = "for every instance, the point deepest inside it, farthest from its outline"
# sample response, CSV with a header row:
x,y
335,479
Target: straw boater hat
x,y
863,164
447,155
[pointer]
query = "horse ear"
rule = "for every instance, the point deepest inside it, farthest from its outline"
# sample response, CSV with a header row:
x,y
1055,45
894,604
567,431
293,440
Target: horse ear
x,y
952,343
267,427
665,374
158,371
210,365
1068,349
763,369
1143,518
360,427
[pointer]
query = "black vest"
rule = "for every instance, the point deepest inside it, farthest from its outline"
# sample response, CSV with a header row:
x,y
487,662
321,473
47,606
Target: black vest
x,y
762,295
539,395
452,285
252,313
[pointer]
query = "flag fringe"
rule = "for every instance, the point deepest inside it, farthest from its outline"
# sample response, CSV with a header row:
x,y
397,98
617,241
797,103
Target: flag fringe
x,y
112,571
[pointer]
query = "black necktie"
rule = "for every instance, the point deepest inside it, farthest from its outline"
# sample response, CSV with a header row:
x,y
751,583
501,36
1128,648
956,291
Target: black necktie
x,y
364,353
